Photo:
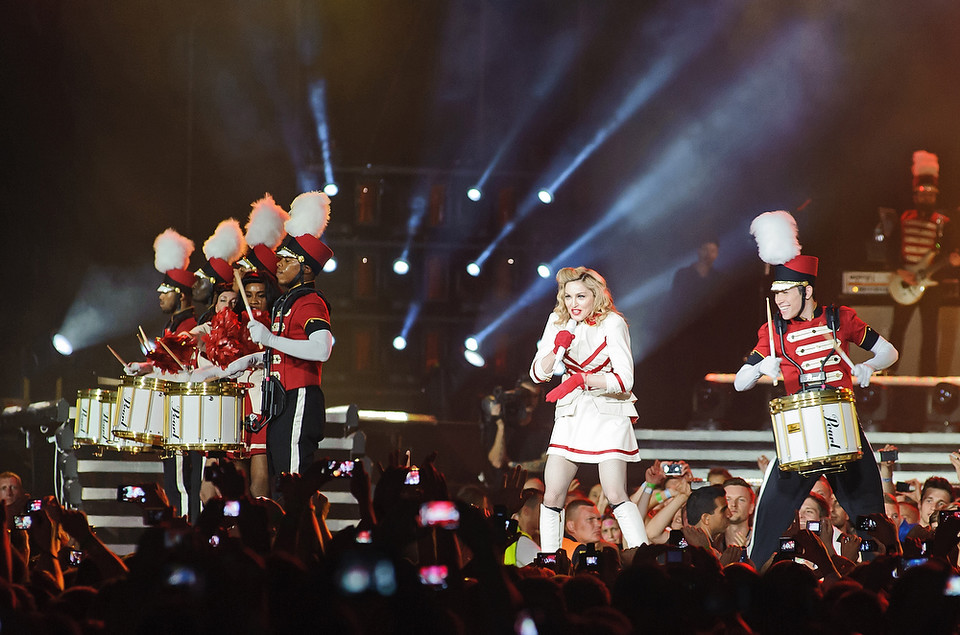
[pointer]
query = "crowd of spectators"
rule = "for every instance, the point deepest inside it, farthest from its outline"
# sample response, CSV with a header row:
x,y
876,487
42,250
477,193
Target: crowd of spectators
x,y
422,561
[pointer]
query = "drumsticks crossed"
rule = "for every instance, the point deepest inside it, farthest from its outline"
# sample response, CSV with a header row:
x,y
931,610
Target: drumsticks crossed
x,y
142,337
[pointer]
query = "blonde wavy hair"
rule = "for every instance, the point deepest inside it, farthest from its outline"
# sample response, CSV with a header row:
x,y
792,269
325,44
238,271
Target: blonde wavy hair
x,y
603,301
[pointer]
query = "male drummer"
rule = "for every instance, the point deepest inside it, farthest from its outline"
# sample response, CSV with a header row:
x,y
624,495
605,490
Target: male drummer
x,y
800,330
299,340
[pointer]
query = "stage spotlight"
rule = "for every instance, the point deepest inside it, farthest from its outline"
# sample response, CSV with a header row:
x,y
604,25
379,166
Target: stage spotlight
x,y
872,405
471,344
474,194
545,196
330,266
543,270
62,344
399,342
401,267
943,403
474,358
473,269
331,189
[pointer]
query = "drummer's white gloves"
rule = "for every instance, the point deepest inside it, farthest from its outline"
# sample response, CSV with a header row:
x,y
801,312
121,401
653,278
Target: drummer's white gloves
x,y
241,364
748,374
769,366
861,374
259,333
206,373
136,369
317,348
884,354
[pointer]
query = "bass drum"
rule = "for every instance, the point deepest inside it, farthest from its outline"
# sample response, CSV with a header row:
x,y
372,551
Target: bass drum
x,y
816,430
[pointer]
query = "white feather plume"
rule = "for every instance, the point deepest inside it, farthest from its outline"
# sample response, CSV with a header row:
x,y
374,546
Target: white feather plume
x,y
226,243
171,251
309,214
265,226
925,163
776,235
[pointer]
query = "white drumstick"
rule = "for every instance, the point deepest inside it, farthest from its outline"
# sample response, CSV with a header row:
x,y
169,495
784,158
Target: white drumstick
x,y
558,361
836,347
773,351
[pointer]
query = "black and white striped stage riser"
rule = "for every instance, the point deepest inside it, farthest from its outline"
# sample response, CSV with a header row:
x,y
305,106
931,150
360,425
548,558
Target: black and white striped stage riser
x,y
922,454
120,525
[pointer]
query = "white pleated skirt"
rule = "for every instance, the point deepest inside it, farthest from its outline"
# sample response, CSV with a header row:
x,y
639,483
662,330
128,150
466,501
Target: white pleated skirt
x,y
588,436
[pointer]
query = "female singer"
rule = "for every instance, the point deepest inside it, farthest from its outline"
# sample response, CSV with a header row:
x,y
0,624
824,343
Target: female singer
x,y
588,340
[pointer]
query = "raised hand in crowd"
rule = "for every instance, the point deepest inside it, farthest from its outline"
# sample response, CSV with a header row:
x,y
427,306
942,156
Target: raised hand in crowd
x,y
6,552
762,463
360,488
433,483
886,471
75,523
885,534
955,462
45,534
943,544
509,494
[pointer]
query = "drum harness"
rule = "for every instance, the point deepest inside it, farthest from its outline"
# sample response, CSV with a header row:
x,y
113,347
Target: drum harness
x,y
832,314
273,395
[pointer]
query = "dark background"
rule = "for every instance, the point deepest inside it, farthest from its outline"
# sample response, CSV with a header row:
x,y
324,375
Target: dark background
x,y
119,119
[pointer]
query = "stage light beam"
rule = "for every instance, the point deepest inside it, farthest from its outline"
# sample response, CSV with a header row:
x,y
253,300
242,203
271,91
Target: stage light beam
x,y
63,345
401,267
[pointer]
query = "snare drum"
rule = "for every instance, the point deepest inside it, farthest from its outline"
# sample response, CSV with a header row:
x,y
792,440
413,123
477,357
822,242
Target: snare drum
x,y
205,416
140,412
94,416
816,430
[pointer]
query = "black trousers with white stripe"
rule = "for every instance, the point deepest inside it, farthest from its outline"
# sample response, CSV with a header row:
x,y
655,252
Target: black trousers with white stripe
x,y
858,490
182,476
294,435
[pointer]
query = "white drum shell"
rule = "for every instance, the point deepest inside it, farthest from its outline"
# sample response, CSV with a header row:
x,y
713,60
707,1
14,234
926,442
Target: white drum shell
x,y
205,416
816,429
94,421
140,413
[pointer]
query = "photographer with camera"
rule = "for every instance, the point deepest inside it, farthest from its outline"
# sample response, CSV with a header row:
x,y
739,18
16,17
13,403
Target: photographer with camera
x,y
511,430
588,339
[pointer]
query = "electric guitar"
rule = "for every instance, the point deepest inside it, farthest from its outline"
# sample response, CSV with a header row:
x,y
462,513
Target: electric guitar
x,y
906,294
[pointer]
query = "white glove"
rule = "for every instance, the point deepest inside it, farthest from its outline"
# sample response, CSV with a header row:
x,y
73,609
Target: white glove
x,y
206,373
769,366
259,333
241,364
136,369
862,373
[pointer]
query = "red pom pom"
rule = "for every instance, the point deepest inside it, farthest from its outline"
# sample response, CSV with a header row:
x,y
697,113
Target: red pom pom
x,y
229,339
180,344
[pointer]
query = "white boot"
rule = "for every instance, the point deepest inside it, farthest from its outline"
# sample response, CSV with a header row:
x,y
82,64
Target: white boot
x,y
551,529
631,524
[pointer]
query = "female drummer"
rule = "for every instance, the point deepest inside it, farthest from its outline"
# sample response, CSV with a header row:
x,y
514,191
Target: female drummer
x,y
595,408
800,343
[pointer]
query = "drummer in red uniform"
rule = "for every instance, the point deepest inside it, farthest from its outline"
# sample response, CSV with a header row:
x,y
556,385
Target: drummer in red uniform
x,y
808,361
299,340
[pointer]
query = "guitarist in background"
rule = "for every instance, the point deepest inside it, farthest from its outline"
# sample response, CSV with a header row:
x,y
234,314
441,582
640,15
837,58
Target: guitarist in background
x,y
924,241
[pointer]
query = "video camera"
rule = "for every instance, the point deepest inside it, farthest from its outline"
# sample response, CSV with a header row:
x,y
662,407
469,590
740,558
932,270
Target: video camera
x,y
516,404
